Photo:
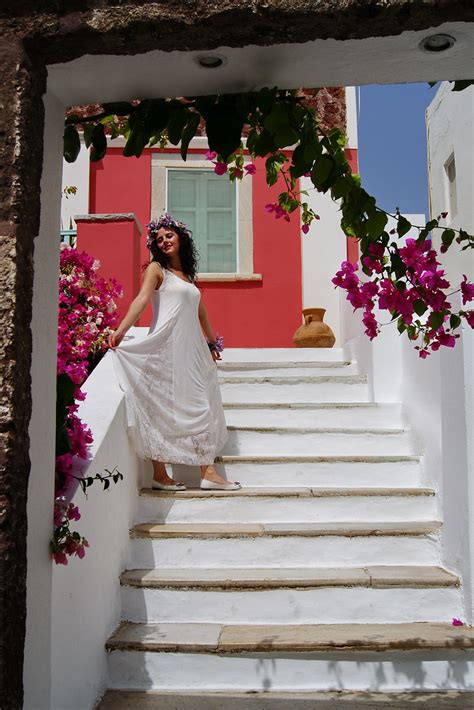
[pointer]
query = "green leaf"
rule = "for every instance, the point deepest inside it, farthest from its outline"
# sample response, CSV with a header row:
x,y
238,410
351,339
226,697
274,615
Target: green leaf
x,y
454,321
72,143
99,143
436,320
321,170
460,85
224,126
403,226
401,327
118,108
447,237
88,131
431,225
279,126
376,222
189,133
341,188
177,121
419,307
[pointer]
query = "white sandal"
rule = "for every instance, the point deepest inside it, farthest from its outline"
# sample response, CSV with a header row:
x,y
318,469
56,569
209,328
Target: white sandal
x,y
213,486
157,486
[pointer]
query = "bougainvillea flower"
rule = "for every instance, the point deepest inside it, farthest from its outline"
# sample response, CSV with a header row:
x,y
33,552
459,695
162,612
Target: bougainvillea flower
x,y
250,169
457,622
220,168
210,154
305,228
467,290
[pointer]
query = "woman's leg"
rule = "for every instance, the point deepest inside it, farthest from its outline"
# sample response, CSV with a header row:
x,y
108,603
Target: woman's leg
x,y
209,473
160,475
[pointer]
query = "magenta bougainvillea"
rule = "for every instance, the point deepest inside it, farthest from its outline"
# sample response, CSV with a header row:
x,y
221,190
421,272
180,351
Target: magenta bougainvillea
x,y
87,314
406,281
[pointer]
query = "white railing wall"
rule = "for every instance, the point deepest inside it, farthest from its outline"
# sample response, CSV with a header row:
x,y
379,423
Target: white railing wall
x,y
437,395
86,593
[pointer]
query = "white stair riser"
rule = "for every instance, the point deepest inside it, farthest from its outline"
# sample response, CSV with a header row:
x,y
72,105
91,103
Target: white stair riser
x,y
299,509
378,417
324,551
284,355
283,671
261,371
285,443
331,605
299,392
324,475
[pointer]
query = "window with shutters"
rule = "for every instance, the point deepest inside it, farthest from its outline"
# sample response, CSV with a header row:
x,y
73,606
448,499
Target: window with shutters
x,y
206,202
219,212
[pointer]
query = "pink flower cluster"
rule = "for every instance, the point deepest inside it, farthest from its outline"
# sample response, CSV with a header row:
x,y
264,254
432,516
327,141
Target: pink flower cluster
x,y
65,542
87,314
237,171
414,292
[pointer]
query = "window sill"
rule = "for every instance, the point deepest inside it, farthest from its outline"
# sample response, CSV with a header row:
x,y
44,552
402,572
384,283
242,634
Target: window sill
x,y
228,277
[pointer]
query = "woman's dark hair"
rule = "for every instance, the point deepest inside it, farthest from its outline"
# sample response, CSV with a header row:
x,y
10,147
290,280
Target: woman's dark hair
x,y
188,253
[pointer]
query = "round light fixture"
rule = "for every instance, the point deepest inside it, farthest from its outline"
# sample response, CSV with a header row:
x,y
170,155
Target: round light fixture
x,y
437,43
210,61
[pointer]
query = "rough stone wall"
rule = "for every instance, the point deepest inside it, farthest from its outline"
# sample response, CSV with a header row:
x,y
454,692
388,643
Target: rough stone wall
x,y
63,31
34,33
21,128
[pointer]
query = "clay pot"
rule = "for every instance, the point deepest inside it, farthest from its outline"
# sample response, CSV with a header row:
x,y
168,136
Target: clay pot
x,y
314,333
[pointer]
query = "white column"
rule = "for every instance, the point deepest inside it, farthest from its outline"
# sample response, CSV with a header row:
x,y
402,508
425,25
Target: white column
x,y
37,667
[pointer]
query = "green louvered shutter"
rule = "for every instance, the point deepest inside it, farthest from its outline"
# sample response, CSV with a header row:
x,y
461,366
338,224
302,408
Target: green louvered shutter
x,y
206,202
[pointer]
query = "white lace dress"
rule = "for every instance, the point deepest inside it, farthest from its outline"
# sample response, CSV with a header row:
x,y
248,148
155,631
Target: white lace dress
x,y
174,407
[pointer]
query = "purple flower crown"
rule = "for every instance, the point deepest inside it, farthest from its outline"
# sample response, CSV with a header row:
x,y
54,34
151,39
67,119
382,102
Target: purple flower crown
x,y
166,220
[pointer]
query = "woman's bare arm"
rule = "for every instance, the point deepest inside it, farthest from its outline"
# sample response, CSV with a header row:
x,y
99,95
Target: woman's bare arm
x,y
152,280
206,326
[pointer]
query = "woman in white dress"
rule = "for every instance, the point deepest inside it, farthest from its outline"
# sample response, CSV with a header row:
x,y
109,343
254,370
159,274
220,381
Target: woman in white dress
x,y
174,407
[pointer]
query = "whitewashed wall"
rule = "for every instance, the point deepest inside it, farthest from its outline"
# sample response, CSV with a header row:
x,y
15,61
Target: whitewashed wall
x,y
86,593
42,429
75,174
450,131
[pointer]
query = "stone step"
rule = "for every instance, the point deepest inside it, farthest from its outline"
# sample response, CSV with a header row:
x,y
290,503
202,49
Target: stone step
x,y
347,529
295,638
289,596
347,472
234,578
361,416
323,505
396,547
284,355
294,388
270,700
286,492
320,441
255,658
280,369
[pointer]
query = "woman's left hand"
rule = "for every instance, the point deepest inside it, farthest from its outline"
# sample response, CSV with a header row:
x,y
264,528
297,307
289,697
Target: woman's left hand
x,y
215,355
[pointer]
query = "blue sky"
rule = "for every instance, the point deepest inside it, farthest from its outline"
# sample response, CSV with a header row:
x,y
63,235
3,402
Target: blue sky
x,y
392,145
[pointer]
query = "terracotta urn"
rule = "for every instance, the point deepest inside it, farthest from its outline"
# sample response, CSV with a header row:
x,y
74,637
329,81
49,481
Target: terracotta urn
x,y
314,333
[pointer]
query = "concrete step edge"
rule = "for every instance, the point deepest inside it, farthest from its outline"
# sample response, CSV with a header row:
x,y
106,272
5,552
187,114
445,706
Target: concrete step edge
x,y
305,405
307,458
221,638
366,431
246,530
280,700
300,492
278,365
297,379
236,579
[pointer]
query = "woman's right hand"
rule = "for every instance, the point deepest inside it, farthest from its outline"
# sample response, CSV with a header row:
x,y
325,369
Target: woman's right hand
x,y
115,339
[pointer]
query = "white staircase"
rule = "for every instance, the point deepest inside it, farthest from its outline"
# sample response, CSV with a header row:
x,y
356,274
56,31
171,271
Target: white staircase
x,y
321,574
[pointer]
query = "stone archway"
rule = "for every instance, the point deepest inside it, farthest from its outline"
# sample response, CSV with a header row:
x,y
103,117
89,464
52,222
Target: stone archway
x,y
298,43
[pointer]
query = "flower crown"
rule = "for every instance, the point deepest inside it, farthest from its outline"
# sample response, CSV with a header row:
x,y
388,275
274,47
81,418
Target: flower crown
x,y
166,220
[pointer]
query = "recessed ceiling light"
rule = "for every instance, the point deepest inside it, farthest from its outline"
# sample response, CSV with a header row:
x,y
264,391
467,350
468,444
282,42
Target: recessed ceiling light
x,y
210,61
437,43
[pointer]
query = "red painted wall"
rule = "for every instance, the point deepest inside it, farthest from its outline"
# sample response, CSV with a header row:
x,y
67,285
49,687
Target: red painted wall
x,y
352,243
248,314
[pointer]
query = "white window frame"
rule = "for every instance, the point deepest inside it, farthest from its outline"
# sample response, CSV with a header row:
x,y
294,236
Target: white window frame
x,y
162,162
180,168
